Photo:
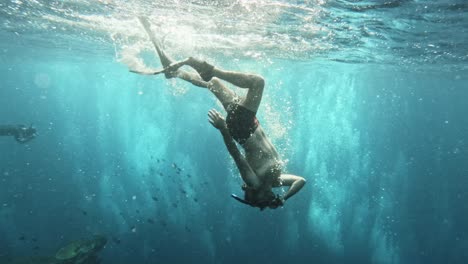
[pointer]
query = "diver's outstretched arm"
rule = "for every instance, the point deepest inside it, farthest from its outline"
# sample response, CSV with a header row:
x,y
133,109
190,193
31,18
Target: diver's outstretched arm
x,y
21,133
246,172
7,130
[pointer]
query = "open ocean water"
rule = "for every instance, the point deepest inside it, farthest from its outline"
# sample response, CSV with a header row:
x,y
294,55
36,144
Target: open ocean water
x,y
367,100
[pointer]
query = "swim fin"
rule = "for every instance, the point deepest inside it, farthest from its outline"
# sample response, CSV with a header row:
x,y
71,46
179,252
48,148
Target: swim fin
x,y
149,72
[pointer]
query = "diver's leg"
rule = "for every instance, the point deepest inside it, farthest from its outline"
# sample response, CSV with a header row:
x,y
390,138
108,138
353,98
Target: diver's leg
x,y
223,93
254,83
166,60
6,130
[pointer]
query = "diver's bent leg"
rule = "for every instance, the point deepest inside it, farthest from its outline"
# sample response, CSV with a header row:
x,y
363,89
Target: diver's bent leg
x,y
192,78
224,94
240,79
165,59
254,83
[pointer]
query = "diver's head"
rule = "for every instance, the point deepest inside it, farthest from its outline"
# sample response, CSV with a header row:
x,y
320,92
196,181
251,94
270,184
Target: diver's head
x,y
32,130
24,134
260,198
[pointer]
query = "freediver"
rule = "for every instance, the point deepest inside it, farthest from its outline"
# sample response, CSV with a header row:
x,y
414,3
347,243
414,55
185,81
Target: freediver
x,y
260,167
21,133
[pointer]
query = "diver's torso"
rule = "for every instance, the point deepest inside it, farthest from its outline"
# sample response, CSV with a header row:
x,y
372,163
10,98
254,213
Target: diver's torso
x,y
262,156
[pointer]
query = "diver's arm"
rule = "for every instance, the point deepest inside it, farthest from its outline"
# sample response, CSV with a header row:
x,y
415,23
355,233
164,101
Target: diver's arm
x,y
295,182
8,130
21,133
246,172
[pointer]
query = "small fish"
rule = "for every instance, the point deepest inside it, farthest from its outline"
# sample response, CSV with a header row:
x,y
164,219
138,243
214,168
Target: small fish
x,y
137,211
195,199
22,238
188,175
34,239
174,205
161,174
183,191
84,212
155,198
188,229
151,221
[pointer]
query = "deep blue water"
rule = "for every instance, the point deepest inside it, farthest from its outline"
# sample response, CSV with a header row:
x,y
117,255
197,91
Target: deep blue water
x,y
366,100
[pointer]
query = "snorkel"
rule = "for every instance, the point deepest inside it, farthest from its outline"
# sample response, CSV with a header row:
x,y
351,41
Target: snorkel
x,y
273,204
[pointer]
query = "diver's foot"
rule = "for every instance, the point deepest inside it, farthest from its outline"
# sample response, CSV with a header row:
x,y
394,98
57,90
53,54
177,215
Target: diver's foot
x,y
171,70
170,75
204,69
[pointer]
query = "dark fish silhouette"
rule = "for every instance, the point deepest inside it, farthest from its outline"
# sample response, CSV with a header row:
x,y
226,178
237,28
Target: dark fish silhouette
x,y
151,221
155,198
22,238
84,212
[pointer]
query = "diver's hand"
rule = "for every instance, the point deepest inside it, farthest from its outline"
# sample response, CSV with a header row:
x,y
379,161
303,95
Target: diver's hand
x,y
216,119
277,202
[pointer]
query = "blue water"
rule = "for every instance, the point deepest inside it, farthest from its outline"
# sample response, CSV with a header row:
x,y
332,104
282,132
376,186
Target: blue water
x,y
366,100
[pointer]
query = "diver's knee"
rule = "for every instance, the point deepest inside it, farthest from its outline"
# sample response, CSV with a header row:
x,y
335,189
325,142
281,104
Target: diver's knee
x,y
214,82
258,82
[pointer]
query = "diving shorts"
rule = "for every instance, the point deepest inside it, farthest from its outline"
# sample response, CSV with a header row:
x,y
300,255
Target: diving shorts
x,y
241,122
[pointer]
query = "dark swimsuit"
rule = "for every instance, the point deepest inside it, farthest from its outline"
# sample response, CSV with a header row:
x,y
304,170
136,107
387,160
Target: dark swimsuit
x,y
241,122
